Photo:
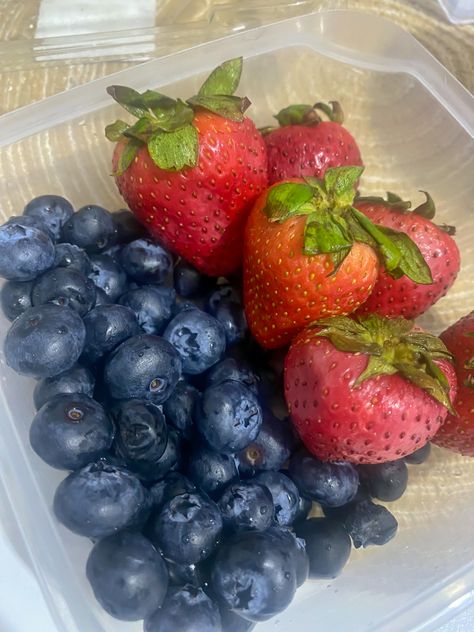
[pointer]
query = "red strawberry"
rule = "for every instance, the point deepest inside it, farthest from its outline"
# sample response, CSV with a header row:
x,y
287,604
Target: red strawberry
x,y
190,171
404,297
305,145
458,432
308,254
368,390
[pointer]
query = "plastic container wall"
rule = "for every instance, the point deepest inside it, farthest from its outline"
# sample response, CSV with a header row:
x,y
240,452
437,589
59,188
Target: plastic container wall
x,y
414,124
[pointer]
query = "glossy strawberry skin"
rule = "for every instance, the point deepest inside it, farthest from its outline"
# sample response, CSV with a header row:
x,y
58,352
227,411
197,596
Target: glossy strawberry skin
x,y
295,151
199,213
383,419
403,297
284,289
458,432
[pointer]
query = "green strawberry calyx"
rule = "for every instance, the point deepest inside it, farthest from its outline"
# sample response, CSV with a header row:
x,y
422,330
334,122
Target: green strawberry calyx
x,y
165,125
307,115
333,225
392,347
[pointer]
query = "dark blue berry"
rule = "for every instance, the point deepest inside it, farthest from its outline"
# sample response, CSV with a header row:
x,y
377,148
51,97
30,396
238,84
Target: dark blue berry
x,y
225,304
101,499
270,449
182,304
145,261
45,341
153,306
78,379
419,456
211,471
25,252
143,367
187,280
53,210
328,546
368,523
91,228
198,338
172,485
128,227
65,287
331,484
341,512
180,408
253,576
70,431
181,574
30,222
304,507
108,276
187,609
246,505
224,292
15,298
228,416
106,327
101,297
71,256
170,460
128,576
235,370
386,481
284,493
231,622
296,547
187,529
142,435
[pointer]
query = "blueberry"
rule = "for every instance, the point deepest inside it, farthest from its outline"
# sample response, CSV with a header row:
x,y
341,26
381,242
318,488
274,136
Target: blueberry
x,y
146,261
211,471
187,529
108,276
224,292
91,228
270,449
172,485
343,510
225,304
198,338
181,574
153,306
419,456
101,499
386,481
128,576
332,484
64,287
128,227
70,431
78,379
143,367
15,298
187,280
182,304
231,622
235,370
30,222
53,210
25,252
101,297
170,460
229,416
141,436
284,493
246,505
368,523
71,256
180,408
328,546
106,327
304,507
296,547
44,341
253,576
187,609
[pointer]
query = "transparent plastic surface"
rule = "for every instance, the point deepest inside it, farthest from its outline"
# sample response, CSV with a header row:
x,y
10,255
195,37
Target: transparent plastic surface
x,y
458,11
414,123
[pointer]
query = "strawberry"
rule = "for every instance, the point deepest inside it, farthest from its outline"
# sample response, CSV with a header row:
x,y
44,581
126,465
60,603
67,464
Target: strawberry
x,y
190,170
309,254
367,390
458,432
403,296
305,145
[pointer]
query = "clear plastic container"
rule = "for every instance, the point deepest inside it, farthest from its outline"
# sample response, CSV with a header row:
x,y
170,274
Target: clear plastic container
x,y
415,125
458,11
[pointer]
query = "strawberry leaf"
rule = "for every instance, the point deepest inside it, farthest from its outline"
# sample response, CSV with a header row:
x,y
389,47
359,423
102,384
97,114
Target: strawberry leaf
x,y
155,100
227,106
332,110
173,116
129,99
297,114
340,182
129,151
389,252
115,131
287,200
224,79
375,366
326,233
427,382
426,343
142,129
172,151
428,208
412,263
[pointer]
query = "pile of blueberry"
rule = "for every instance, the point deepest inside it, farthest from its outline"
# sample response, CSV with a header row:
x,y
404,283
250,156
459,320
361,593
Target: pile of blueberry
x,y
184,469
